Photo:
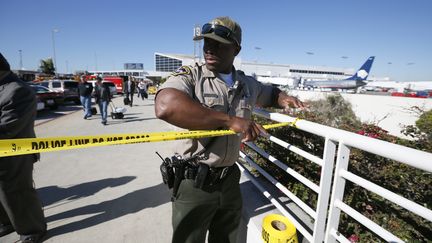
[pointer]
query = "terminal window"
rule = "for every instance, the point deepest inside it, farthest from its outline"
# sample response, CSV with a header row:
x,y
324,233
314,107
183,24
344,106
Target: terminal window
x,y
316,72
167,64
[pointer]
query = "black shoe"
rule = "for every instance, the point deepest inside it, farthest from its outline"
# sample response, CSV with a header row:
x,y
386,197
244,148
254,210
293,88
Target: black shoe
x,y
6,229
104,123
36,238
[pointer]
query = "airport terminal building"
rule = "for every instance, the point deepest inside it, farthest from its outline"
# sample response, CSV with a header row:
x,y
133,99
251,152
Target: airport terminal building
x,y
170,62
264,72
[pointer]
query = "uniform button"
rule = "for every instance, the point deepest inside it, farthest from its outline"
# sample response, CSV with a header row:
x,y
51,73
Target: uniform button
x,y
211,102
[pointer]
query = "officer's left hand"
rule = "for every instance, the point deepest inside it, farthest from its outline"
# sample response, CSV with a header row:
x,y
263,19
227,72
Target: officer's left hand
x,y
248,129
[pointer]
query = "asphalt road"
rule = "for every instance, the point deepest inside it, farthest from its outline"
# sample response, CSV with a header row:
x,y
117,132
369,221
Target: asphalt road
x,y
103,194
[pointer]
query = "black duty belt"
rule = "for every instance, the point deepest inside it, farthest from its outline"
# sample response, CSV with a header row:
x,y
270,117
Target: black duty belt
x,y
214,176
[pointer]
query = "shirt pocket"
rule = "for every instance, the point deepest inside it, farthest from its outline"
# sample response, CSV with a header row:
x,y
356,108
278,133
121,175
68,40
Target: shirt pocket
x,y
215,102
244,108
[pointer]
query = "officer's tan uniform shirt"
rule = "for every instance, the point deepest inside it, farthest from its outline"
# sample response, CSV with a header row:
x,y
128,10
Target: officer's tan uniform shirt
x,y
239,100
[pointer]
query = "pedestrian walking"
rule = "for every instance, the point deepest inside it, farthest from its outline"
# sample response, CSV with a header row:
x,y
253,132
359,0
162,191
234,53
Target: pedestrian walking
x,y
142,90
103,97
129,90
85,90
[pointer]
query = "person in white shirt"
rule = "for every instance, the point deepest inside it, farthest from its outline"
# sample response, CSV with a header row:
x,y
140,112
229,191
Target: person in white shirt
x,y
142,86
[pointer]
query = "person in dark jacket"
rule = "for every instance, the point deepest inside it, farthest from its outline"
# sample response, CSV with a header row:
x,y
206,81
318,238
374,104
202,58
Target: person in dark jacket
x,y
85,90
103,97
20,208
129,90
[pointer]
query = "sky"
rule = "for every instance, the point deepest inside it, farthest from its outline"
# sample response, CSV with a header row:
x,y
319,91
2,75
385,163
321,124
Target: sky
x,y
104,35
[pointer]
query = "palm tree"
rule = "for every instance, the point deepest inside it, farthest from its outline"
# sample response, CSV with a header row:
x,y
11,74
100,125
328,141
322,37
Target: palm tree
x,y
47,66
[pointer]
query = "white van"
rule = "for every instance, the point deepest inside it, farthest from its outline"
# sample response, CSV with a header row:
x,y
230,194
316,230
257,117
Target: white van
x,y
69,89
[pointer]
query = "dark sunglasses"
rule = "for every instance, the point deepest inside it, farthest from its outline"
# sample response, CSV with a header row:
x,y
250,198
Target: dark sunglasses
x,y
220,31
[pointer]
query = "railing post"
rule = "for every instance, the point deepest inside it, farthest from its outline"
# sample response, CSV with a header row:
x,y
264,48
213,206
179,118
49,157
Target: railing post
x,y
337,192
324,192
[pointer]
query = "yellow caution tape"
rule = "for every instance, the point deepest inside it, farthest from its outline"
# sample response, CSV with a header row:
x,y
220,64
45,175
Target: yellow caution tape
x,y
277,228
11,147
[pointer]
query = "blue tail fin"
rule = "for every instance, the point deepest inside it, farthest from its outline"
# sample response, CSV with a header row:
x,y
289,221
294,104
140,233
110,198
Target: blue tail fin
x,y
363,72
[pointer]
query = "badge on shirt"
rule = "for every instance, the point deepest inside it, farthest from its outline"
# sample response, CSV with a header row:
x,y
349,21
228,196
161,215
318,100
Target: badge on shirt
x,y
181,71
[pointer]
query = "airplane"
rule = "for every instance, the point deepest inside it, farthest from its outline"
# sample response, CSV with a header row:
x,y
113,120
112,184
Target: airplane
x,y
353,82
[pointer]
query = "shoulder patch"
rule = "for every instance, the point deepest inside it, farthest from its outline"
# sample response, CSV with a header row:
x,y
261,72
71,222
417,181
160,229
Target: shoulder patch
x,y
183,70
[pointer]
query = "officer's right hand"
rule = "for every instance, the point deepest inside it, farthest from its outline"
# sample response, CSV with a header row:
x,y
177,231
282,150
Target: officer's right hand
x,y
249,129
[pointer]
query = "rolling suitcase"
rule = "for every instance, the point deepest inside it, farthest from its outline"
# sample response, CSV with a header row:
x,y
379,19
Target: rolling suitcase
x,y
126,101
117,112
93,111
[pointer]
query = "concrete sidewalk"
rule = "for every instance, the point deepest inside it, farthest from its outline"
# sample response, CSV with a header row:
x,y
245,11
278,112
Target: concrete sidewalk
x,y
109,193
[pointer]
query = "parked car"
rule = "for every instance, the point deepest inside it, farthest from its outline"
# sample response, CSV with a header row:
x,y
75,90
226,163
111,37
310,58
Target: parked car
x,y
68,88
50,98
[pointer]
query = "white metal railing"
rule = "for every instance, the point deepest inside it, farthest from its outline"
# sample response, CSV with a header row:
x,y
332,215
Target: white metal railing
x,y
330,212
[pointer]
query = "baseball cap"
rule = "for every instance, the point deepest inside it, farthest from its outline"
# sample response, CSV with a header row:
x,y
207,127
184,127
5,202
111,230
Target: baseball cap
x,y
222,29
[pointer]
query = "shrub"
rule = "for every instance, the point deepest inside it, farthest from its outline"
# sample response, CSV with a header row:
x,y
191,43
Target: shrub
x,y
421,133
411,183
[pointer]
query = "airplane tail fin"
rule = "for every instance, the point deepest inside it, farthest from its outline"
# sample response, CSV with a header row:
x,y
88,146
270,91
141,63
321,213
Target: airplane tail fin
x,y
363,72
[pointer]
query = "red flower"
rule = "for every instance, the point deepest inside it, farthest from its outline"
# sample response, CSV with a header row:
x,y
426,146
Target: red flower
x,y
354,238
242,147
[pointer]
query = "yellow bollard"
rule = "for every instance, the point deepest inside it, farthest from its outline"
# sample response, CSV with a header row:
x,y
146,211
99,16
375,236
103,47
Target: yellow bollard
x,y
278,229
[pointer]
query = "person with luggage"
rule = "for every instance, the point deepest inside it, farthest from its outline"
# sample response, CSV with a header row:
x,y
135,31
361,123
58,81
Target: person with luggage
x,y
128,91
85,90
142,86
103,97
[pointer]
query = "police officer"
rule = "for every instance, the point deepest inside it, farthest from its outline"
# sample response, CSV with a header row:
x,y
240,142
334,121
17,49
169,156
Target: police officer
x,y
214,96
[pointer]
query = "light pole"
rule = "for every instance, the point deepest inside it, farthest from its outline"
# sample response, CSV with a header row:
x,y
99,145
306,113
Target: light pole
x,y
96,63
54,52
409,78
256,60
343,65
257,49
388,69
310,53
21,63
197,44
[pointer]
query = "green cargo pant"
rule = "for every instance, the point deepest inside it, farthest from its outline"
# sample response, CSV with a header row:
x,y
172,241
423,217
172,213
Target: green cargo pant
x,y
214,208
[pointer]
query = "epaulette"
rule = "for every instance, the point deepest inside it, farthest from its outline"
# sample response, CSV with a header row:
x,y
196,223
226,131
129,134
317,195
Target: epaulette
x,y
240,72
183,70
